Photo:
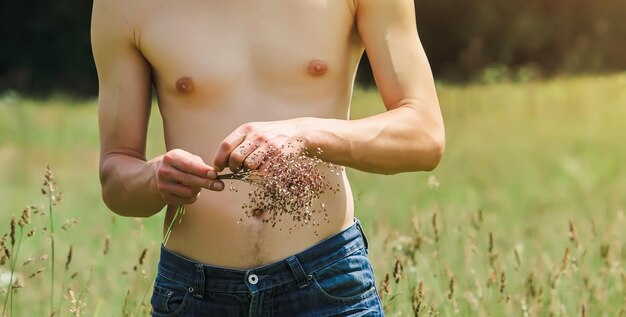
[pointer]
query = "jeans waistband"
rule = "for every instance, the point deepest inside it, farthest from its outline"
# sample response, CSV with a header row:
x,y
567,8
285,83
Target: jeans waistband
x,y
200,277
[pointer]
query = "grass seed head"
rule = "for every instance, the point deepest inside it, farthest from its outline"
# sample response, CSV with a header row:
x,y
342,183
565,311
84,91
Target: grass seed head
x,y
29,261
398,269
288,186
39,271
74,303
432,311
7,253
518,259
502,282
142,257
25,217
385,287
107,241
451,287
69,258
572,233
565,260
604,252
4,256
69,223
50,188
12,232
417,298
435,229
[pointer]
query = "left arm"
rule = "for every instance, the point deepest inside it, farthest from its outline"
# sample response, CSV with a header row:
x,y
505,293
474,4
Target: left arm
x,y
408,137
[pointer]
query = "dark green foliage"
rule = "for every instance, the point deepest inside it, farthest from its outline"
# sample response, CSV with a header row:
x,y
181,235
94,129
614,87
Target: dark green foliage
x,y
552,36
45,44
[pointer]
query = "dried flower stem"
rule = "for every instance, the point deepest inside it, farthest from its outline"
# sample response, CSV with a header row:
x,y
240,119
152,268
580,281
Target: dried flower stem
x,y
15,250
235,176
52,251
180,210
50,190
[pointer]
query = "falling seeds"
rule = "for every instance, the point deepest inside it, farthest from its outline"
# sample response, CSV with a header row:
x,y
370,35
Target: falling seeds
x,y
288,185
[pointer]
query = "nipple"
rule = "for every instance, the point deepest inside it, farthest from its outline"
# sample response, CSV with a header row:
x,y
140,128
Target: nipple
x,y
184,85
317,67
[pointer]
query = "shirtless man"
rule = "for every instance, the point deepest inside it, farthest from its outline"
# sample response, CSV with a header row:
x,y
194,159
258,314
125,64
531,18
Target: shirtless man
x,y
233,74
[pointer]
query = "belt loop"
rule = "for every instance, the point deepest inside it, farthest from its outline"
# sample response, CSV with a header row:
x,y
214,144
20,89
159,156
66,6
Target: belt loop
x,y
358,225
198,291
298,272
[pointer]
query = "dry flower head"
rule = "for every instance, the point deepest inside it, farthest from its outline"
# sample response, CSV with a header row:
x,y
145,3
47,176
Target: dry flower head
x,y
289,184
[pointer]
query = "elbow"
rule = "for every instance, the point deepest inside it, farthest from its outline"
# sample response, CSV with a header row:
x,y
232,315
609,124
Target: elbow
x,y
114,200
422,156
111,199
427,141
428,152
120,193
114,196
433,145
432,154
107,191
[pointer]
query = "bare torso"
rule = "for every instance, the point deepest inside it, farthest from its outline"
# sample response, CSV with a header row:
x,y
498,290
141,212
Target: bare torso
x,y
219,64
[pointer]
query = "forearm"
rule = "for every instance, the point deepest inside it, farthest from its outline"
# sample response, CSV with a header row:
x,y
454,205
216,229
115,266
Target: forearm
x,y
129,185
404,139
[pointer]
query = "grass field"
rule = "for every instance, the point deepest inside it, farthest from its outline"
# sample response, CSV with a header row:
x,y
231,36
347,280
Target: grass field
x,y
525,216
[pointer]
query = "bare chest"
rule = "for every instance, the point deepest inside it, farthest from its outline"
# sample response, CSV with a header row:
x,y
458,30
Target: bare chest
x,y
216,47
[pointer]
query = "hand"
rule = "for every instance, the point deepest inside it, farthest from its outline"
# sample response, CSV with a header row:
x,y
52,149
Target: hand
x,y
250,145
181,176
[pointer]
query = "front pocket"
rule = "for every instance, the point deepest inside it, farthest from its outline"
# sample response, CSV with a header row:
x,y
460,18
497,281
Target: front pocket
x,y
169,298
349,280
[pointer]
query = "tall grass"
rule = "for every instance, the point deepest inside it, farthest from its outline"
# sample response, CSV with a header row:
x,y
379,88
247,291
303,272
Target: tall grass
x,y
524,216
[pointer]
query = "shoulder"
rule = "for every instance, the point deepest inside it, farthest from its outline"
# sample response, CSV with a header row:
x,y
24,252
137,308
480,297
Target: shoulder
x,y
114,19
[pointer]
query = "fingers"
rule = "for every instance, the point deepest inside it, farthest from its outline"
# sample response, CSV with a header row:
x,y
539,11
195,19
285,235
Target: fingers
x,y
188,163
249,145
230,143
261,156
239,155
173,175
177,194
182,175
178,190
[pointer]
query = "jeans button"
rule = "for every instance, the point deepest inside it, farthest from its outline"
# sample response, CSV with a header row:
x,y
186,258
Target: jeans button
x,y
253,279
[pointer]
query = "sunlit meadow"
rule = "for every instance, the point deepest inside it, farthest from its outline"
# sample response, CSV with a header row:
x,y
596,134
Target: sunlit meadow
x,y
525,216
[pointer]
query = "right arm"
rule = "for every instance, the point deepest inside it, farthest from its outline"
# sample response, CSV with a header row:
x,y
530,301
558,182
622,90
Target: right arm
x,y
131,185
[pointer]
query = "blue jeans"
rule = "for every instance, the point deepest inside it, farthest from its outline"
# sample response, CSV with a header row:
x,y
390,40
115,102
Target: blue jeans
x,y
332,278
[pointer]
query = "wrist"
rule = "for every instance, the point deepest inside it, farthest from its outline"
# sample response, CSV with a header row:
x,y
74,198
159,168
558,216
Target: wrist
x,y
152,182
309,133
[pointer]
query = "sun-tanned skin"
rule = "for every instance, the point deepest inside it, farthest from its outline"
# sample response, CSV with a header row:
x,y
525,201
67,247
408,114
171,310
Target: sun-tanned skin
x,y
240,73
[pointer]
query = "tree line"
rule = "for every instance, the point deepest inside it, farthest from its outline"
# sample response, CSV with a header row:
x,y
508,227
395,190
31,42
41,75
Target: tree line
x,y
45,46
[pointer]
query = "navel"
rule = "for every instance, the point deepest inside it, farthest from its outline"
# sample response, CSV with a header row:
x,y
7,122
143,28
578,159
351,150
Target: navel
x,y
317,67
184,85
258,213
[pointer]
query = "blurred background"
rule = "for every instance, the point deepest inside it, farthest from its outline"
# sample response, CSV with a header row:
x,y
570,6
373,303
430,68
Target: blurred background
x,y
45,47
524,216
